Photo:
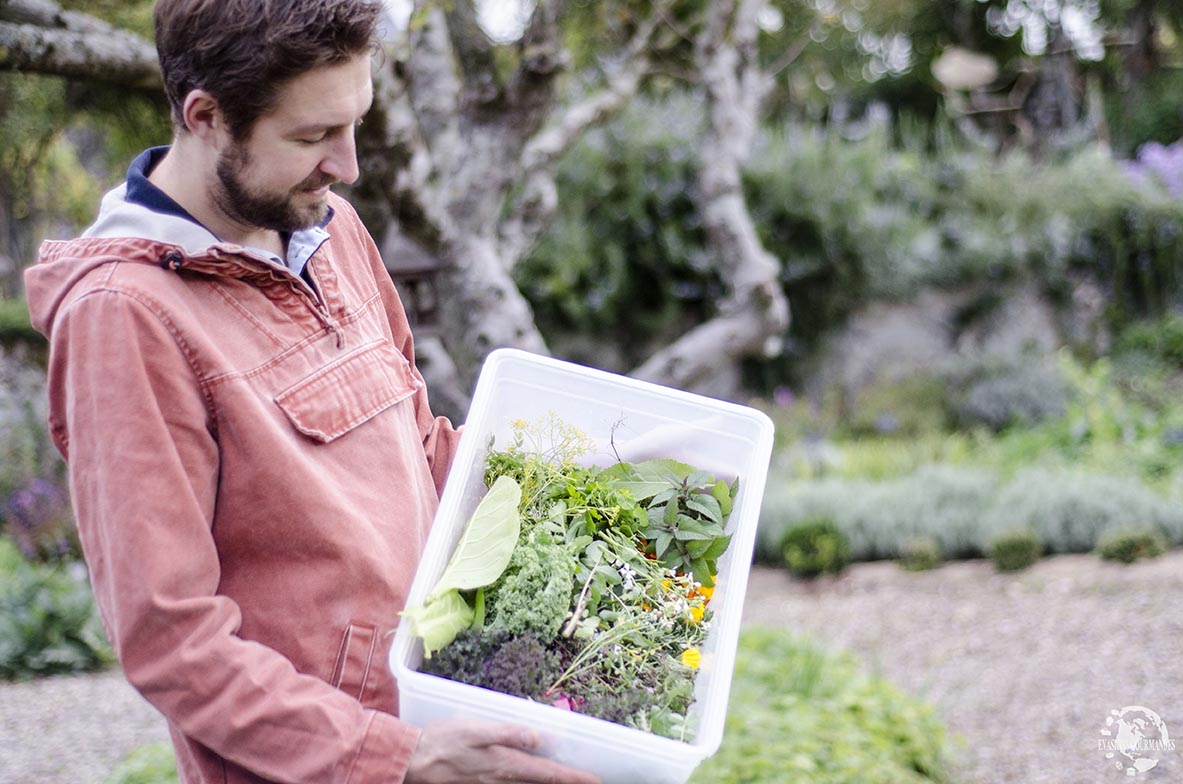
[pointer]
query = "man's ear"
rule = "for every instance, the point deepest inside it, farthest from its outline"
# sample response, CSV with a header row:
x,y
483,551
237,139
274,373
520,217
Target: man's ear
x,y
202,116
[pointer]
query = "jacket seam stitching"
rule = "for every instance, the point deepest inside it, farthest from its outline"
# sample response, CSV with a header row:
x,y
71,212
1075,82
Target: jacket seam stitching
x,y
220,289
361,748
166,321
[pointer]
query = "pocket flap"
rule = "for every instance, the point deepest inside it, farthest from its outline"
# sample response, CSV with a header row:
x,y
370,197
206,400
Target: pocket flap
x,y
349,391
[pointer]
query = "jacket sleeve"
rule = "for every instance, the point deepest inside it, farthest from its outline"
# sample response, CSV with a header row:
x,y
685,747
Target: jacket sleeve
x,y
129,412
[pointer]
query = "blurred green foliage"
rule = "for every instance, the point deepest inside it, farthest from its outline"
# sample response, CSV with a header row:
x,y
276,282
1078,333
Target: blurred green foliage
x,y
14,324
799,713
1110,461
154,763
1160,340
48,621
920,554
1131,545
815,547
850,219
624,262
63,143
1015,550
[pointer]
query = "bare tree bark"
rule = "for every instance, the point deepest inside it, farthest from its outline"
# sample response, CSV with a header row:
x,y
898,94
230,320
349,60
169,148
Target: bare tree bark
x,y
754,315
464,140
37,35
533,210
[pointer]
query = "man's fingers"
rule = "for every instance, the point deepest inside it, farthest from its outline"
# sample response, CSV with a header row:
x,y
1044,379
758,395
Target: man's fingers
x,y
514,736
529,769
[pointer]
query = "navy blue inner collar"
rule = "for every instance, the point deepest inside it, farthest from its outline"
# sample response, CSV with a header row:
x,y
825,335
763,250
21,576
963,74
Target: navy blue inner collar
x,y
141,190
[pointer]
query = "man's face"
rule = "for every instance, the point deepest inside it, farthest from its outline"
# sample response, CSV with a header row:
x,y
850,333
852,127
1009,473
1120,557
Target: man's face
x,y
278,178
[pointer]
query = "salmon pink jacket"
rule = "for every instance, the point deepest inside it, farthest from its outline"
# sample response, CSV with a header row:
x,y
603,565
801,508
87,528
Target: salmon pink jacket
x,y
254,469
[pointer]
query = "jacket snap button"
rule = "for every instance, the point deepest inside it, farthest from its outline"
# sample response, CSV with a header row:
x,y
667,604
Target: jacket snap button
x,y
171,261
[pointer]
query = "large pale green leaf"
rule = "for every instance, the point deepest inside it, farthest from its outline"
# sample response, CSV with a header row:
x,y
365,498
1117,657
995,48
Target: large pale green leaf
x,y
439,620
480,557
488,540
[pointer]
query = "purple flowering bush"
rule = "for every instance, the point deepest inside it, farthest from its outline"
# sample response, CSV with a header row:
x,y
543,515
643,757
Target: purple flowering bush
x,y
1161,164
34,506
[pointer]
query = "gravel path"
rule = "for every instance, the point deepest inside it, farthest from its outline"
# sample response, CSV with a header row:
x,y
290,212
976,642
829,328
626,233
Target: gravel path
x,y
1023,669
71,730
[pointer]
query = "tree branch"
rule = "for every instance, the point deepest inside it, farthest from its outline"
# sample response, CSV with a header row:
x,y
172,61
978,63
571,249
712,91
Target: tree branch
x,y
432,86
789,56
474,51
531,91
534,209
755,313
38,36
552,143
397,164
44,13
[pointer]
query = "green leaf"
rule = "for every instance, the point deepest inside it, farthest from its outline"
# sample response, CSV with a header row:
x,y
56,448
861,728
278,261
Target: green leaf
x,y
702,572
488,540
718,547
479,559
724,495
647,479
478,610
664,540
706,505
690,530
670,515
439,620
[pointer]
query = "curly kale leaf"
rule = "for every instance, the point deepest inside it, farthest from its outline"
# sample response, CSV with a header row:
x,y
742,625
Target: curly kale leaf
x,y
534,594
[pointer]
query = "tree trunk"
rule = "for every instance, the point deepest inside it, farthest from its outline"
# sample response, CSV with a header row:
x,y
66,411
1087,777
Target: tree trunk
x,y
753,316
454,141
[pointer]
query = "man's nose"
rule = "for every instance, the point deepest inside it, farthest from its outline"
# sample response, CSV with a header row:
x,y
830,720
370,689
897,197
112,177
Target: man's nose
x,y
341,162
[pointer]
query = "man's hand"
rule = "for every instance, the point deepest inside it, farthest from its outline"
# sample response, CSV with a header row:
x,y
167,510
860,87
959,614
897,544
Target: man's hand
x,y
465,751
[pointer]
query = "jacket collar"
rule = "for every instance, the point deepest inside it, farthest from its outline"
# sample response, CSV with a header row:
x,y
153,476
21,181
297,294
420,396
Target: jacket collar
x,y
140,210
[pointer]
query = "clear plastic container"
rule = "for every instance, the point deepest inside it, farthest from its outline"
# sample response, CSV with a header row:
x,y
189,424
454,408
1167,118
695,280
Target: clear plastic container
x,y
640,420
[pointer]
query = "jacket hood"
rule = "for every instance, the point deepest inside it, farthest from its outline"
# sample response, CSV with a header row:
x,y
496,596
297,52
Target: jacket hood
x,y
123,231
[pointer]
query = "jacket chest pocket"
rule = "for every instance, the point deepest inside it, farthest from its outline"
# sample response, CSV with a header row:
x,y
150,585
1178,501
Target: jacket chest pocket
x,y
347,392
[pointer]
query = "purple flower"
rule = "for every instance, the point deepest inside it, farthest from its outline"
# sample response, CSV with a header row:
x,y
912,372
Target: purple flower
x,y
1158,163
783,397
36,504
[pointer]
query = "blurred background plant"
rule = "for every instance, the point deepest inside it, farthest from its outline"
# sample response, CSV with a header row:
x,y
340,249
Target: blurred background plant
x,y
1015,550
34,507
48,621
798,712
1128,545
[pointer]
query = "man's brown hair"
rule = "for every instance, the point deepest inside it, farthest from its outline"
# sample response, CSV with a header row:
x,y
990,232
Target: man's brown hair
x,y
242,52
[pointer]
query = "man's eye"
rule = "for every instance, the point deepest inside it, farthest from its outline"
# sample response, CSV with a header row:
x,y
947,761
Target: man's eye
x,y
312,139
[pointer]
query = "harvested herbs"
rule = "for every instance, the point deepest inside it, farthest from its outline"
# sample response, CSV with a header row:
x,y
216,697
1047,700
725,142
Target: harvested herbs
x,y
592,592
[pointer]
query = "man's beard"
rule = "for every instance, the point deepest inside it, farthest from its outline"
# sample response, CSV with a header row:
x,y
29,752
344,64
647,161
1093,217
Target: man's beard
x,y
276,212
